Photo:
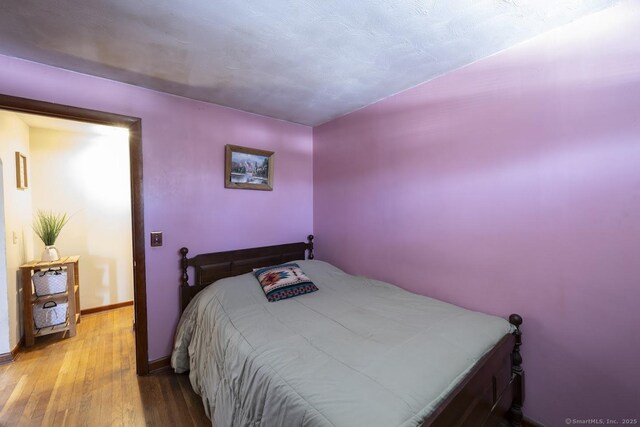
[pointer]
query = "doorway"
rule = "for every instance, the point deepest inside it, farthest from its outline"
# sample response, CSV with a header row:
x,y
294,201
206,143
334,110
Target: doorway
x,y
133,125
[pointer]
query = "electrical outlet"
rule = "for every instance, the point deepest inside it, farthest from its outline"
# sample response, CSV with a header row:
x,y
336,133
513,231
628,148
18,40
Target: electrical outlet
x,y
15,238
156,238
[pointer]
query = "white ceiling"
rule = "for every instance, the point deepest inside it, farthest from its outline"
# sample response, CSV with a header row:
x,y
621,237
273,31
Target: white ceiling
x,y
36,121
305,61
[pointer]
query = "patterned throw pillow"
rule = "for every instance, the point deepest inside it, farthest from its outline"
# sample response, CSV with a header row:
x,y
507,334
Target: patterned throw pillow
x,y
284,281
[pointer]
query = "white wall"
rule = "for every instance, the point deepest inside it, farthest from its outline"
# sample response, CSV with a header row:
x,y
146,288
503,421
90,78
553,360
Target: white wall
x,y
4,298
87,176
14,136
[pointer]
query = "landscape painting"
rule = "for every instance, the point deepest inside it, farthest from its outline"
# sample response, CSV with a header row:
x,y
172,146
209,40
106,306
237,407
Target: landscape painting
x,y
248,168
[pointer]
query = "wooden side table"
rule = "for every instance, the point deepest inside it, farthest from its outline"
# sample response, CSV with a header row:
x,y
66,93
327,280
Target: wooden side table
x,y
72,296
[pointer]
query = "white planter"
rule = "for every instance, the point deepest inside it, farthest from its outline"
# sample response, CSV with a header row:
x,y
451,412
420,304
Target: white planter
x,y
50,253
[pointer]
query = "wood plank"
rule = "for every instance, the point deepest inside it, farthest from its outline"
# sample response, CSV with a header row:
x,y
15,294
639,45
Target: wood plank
x,y
90,379
11,409
36,263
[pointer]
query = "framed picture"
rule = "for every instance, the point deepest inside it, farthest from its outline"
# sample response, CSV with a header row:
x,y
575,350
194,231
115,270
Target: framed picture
x,y
21,171
248,168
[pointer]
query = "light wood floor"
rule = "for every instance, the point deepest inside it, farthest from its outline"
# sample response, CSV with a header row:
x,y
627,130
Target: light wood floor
x,y
90,380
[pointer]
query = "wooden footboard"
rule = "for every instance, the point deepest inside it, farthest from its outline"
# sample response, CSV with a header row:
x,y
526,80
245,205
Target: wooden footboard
x,y
493,392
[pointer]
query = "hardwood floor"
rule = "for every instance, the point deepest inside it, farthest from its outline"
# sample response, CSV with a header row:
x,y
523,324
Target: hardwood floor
x,y
90,380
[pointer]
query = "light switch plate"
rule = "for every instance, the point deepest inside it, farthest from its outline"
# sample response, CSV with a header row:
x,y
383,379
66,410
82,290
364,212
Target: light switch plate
x,y
156,238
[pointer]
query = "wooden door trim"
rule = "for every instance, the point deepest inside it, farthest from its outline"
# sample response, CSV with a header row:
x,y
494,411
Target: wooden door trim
x,y
134,124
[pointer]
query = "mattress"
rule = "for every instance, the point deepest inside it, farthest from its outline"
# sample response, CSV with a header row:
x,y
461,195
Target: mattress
x,y
357,352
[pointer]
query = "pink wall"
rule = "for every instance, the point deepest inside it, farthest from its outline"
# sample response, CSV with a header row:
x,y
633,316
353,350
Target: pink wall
x,y
183,155
511,185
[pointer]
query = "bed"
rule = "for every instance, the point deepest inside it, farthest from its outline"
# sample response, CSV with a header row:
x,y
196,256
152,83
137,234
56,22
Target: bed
x,y
356,352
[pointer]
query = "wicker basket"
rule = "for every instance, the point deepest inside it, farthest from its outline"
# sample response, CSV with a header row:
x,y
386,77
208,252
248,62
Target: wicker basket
x,y
50,314
50,282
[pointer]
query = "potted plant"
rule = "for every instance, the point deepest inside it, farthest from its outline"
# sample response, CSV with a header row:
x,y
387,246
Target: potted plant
x,y
48,226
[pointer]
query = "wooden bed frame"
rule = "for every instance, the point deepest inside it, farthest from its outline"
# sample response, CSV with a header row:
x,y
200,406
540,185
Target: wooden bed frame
x,y
491,394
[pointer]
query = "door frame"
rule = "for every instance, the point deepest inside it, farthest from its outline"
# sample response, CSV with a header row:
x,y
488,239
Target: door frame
x,y
134,124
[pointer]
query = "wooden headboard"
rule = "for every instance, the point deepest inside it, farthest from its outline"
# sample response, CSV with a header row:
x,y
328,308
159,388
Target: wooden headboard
x,y
217,265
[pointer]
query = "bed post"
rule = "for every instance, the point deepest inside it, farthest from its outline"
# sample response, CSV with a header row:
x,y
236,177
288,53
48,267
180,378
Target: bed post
x,y
184,285
310,246
517,373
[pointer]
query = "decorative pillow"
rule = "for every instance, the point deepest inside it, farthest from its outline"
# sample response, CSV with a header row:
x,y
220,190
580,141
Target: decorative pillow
x,y
284,281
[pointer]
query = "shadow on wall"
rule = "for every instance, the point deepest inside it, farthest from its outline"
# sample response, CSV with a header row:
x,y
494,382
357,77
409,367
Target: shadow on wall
x,y
102,284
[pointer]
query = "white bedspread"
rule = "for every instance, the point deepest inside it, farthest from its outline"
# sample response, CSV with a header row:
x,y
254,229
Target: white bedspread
x,y
357,352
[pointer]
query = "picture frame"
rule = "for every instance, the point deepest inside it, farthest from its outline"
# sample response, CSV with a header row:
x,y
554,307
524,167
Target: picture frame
x,y
248,168
22,181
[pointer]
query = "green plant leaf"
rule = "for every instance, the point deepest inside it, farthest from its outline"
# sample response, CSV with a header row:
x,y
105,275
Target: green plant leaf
x,y
48,225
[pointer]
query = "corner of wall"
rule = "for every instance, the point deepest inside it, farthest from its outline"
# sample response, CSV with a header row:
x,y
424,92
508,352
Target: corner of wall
x,y
16,214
